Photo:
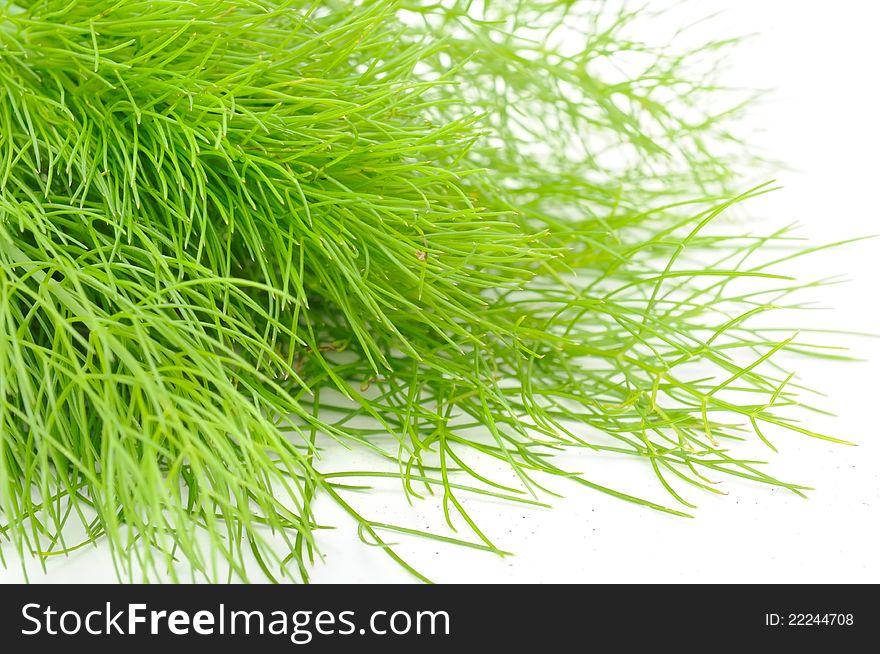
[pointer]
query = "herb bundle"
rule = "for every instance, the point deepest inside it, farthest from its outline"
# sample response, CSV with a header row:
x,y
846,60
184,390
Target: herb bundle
x,y
446,233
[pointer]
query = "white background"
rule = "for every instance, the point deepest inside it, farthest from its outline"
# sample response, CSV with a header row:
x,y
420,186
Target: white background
x,y
822,58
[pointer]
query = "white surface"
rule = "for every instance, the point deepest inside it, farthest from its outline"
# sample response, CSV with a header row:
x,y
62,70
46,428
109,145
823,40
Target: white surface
x,y
822,119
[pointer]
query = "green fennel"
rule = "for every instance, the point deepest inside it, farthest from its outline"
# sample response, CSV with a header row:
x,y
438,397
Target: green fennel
x,y
233,232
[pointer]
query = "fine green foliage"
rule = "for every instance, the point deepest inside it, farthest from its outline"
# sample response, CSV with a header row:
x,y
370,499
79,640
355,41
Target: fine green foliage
x,y
233,232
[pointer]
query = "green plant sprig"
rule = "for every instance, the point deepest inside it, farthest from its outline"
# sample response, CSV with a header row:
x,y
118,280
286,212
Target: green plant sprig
x,y
233,232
